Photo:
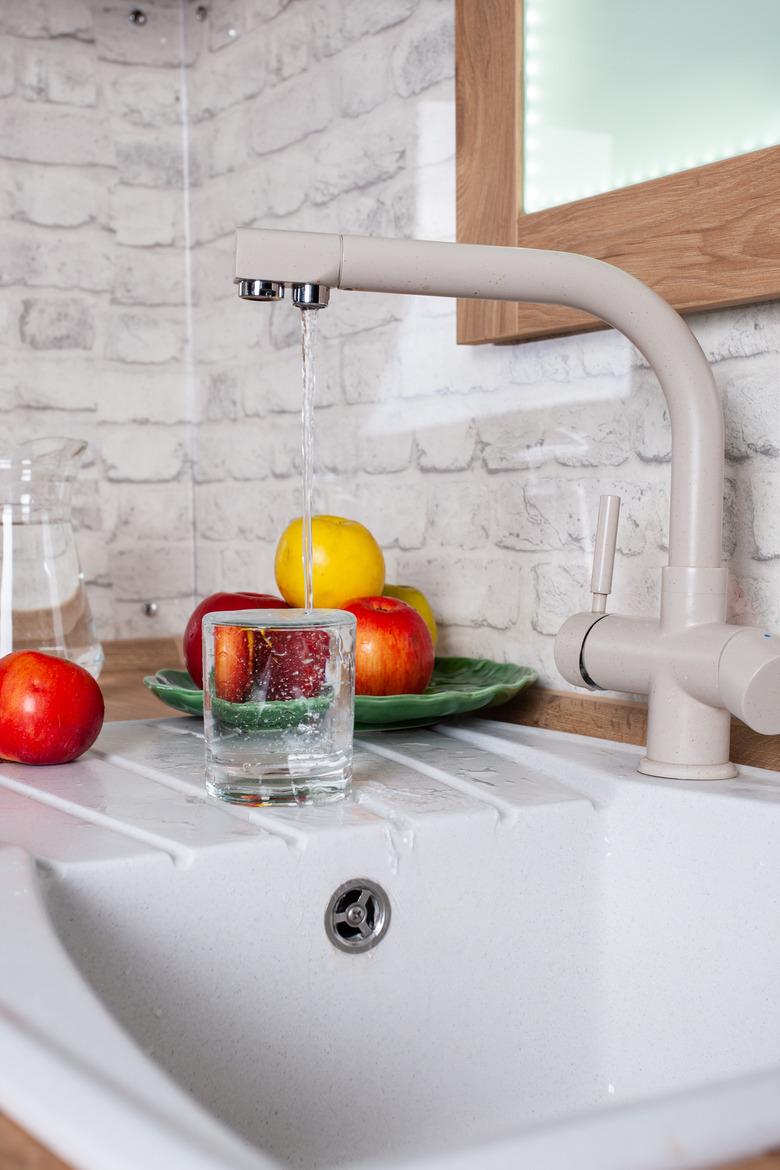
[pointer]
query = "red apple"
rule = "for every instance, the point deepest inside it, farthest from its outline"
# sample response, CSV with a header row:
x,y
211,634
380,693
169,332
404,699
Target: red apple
x,y
274,665
393,647
51,710
295,663
193,635
232,663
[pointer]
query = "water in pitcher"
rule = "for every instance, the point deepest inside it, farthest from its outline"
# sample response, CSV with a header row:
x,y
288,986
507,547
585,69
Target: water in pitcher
x,y
43,601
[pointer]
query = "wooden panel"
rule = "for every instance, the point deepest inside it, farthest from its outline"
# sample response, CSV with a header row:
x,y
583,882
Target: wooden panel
x,y
619,719
122,684
703,238
19,1151
488,125
768,1161
144,655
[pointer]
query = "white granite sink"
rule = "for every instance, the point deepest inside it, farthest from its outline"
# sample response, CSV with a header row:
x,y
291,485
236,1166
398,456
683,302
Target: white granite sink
x,y
581,969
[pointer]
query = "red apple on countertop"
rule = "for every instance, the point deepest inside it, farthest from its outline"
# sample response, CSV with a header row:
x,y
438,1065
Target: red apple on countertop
x,y
193,635
51,710
393,647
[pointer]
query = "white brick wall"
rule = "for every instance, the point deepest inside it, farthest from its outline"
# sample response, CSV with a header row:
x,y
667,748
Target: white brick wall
x,y
92,294
478,468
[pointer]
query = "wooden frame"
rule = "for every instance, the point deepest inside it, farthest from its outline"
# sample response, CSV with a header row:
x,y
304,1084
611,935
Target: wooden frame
x,y
703,238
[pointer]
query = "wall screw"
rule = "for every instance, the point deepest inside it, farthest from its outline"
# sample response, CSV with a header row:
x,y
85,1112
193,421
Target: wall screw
x,y
201,12
137,16
150,608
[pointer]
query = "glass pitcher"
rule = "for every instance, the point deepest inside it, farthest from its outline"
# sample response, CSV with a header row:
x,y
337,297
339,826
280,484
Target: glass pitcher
x,y
43,602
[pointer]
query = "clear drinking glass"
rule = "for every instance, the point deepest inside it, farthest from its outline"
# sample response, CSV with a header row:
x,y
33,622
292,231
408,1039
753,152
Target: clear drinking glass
x,y
279,701
43,602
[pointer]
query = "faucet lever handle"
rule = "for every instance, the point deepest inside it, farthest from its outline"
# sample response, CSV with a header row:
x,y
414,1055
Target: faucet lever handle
x,y
604,552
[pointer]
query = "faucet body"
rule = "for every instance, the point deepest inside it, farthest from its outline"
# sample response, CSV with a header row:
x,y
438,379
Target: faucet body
x,y
689,662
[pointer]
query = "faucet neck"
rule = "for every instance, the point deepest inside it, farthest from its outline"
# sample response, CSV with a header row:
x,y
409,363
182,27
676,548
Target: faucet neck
x,y
657,331
525,274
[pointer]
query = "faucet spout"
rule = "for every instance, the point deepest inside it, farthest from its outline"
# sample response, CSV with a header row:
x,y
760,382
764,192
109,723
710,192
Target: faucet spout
x,y
260,290
310,296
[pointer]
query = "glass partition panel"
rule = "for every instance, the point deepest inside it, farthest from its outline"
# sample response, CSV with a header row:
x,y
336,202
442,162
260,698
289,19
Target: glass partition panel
x,y
619,91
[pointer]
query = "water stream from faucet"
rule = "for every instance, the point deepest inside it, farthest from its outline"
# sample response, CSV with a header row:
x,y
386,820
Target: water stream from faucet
x,y
308,319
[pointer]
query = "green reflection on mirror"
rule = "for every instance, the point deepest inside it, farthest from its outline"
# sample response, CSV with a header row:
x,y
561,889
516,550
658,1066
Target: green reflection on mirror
x,y
619,91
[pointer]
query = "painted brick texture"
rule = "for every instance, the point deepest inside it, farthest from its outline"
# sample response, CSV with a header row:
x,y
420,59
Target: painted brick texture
x,y
93,302
478,468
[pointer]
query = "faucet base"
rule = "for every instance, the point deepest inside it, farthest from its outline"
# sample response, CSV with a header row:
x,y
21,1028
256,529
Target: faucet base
x,y
650,767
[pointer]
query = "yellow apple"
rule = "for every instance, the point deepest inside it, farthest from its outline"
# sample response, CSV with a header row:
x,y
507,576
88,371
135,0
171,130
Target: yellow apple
x,y
418,601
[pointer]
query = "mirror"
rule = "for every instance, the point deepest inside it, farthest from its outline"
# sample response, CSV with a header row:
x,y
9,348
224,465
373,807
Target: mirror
x,y
616,92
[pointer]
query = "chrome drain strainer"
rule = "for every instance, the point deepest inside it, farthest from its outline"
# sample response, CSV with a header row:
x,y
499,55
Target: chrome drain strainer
x,y
357,916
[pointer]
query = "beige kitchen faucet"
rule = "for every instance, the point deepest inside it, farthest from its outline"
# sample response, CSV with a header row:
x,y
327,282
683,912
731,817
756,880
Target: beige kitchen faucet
x,y
692,665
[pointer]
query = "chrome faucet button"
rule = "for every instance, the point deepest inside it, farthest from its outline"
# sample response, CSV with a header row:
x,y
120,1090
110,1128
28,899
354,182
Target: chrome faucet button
x,y
260,290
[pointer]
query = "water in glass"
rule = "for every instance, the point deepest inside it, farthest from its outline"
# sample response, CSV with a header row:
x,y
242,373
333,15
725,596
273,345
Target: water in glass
x,y
279,705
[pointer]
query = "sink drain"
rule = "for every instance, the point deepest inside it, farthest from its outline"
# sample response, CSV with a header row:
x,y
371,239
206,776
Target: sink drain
x,y
357,916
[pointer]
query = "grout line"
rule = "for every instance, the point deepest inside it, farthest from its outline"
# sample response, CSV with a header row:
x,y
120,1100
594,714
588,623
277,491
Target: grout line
x,y
383,808
507,811
157,775
596,788
181,855
258,818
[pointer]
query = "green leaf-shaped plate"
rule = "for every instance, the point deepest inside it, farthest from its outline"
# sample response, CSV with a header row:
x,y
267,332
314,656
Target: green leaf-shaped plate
x,y
458,685
267,716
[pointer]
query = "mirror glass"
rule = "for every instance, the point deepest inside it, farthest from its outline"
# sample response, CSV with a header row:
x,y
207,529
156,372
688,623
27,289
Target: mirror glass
x,y
619,91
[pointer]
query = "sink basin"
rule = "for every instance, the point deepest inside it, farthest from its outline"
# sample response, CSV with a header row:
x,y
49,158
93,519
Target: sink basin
x,y
581,966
